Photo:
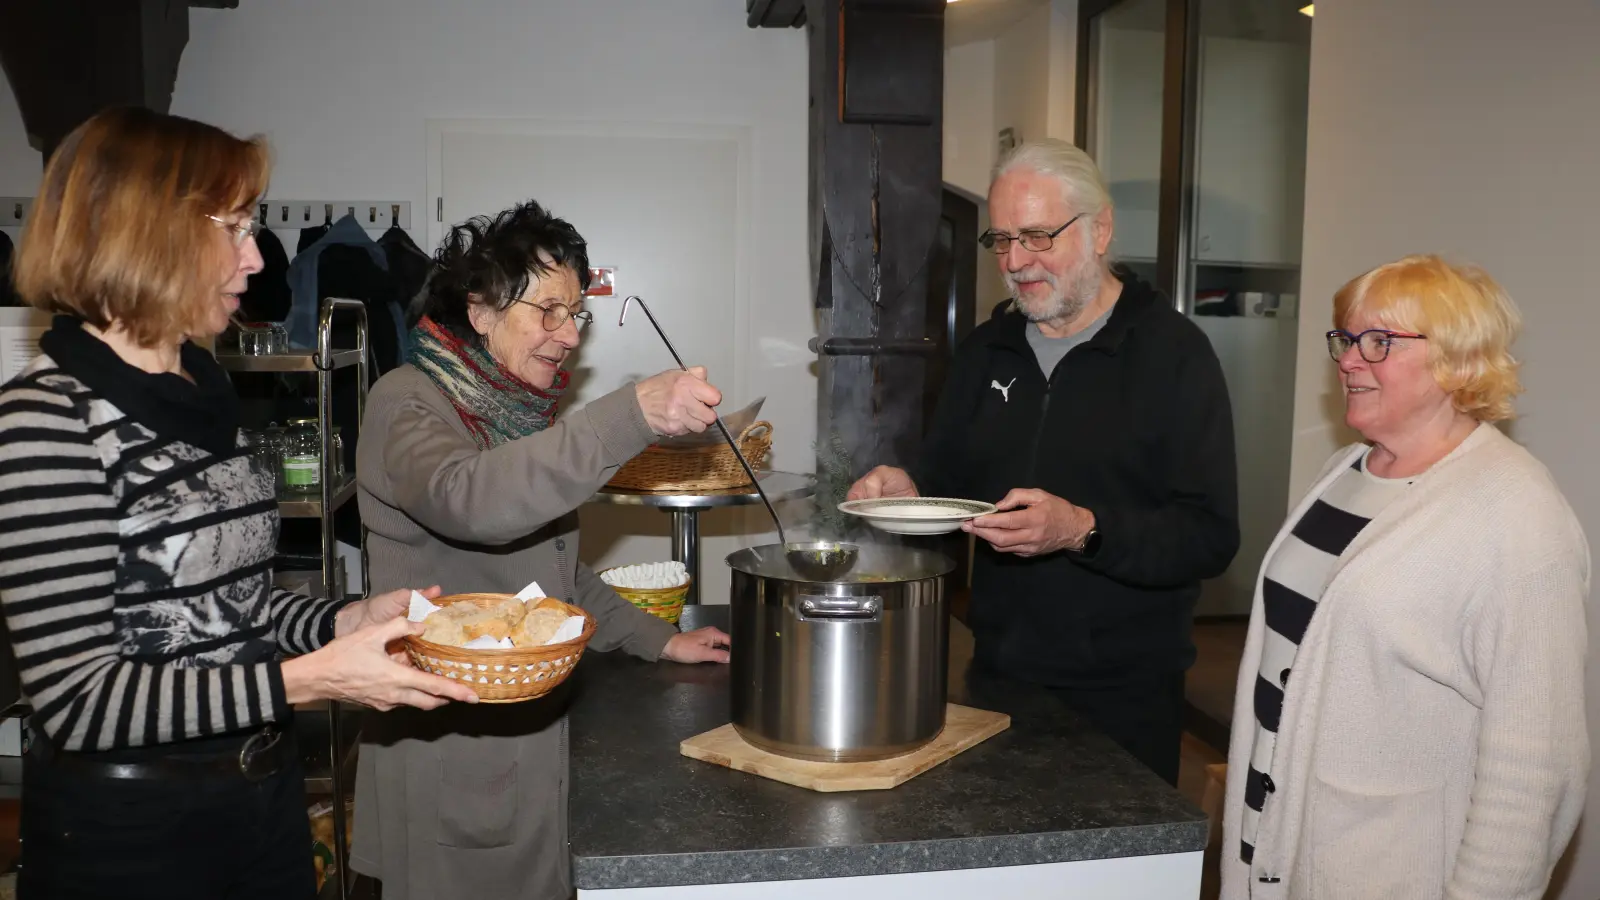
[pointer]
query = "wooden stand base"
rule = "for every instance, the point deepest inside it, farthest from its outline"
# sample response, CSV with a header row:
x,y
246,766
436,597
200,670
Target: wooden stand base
x,y
964,727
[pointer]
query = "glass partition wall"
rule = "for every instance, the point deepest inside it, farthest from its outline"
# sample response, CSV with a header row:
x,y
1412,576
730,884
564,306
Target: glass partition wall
x,y
1195,110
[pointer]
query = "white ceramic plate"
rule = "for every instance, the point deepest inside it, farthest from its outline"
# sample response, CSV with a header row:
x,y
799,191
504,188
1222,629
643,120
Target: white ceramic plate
x,y
916,515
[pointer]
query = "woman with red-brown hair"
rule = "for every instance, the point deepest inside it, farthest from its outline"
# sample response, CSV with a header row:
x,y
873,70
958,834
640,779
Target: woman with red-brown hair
x,y
137,536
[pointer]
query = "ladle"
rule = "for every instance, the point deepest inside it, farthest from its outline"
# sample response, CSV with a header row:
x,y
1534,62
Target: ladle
x,y
816,560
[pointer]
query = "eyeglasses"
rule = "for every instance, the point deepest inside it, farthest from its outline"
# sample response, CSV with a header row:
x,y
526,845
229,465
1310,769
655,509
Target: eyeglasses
x,y
1036,239
249,228
557,314
1374,343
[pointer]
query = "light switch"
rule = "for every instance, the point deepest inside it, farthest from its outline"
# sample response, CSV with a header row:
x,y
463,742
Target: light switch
x,y
602,281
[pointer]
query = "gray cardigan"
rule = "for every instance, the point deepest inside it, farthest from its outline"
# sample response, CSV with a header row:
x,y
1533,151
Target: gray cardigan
x,y
471,800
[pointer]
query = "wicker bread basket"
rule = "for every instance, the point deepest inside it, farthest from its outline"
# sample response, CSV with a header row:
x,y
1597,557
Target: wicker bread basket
x,y
504,676
663,603
708,468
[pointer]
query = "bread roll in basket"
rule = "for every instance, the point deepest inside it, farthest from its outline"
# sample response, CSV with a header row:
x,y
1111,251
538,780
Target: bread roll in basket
x,y
504,676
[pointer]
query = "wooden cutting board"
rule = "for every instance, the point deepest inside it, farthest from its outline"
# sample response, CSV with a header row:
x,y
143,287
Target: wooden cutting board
x,y
964,727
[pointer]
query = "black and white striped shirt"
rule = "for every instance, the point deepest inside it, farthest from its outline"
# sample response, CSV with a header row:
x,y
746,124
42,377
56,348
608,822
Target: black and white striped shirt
x,y
1294,581
135,570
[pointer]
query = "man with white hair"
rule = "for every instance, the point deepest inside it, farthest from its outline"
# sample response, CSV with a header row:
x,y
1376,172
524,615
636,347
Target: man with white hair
x,y
1095,416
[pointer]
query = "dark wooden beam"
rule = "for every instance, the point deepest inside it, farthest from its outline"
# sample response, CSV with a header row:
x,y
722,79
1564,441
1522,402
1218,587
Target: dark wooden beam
x,y
876,198
68,59
775,13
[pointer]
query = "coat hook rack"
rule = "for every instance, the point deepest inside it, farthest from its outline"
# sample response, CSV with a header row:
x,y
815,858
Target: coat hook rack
x,y
15,210
280,213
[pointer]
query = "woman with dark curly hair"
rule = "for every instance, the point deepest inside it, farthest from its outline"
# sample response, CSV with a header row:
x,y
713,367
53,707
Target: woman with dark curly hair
x,y
464,473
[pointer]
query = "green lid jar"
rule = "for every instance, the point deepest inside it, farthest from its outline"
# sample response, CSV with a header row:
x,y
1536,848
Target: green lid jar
x,y
302,457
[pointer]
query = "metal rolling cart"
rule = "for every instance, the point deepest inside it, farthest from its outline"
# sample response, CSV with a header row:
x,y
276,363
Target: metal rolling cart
x,y
335,775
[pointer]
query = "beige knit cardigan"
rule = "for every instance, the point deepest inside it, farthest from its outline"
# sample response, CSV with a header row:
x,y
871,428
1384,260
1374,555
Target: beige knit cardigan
x,y
1432,742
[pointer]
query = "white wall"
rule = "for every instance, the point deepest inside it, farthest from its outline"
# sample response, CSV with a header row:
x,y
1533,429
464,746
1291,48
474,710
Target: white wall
x,y
20,164
1022,78
969,131
343,92
1477,142
1035,73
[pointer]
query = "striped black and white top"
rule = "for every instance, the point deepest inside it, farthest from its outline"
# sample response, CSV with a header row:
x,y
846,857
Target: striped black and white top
x,y
135,570
1295,577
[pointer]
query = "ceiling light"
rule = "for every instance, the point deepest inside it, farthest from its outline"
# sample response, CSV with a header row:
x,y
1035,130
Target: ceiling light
x,y
1307,9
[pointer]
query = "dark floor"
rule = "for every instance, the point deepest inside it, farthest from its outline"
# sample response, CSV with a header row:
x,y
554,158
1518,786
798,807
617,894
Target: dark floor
x,y
1209,688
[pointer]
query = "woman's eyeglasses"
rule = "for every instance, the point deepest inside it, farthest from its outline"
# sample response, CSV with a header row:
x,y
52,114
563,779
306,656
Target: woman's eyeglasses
x,y
1374,343
557,314
249,228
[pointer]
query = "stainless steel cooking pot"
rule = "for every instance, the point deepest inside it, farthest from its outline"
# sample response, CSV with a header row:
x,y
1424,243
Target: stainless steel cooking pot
x,y
845,670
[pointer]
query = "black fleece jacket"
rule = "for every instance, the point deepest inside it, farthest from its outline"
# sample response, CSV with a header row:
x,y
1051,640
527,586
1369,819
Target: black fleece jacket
x,y
1134,425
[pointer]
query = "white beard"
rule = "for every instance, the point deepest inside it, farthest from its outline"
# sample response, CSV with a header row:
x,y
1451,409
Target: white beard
x,y
1067,300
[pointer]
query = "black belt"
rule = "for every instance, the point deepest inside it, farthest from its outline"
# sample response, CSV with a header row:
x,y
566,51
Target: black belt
x,y
257,758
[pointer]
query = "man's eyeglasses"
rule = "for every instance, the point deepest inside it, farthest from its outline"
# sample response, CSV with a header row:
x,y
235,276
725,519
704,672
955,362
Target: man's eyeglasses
x,y
557,314
249,228
1374,343
1036,239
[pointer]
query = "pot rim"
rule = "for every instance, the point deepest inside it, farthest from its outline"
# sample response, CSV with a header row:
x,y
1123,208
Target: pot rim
x,y
768,561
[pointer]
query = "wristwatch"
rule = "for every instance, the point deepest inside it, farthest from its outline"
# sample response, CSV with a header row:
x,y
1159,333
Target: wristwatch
x,y
1090,545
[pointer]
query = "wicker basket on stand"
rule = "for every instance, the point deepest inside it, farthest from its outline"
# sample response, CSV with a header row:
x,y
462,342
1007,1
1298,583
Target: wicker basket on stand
x,y
663,603
504,676
711,467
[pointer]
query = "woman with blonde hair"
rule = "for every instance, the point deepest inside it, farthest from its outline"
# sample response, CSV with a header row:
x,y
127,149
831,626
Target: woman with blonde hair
x,y
137,534
1409,720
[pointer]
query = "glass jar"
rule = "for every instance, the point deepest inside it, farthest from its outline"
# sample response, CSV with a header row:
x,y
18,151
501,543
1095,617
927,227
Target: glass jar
x,y
266,454
262,338
272,441
302,458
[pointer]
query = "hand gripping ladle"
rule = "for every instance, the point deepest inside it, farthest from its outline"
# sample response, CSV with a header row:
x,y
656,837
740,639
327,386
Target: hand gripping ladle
x,y
814,560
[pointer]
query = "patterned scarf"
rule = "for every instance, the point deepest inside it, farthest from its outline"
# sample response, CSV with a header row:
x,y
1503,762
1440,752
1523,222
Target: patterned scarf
x,y
495,405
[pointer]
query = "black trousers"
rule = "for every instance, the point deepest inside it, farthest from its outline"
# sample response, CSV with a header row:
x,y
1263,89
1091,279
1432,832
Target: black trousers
x,y
212,837
1144,715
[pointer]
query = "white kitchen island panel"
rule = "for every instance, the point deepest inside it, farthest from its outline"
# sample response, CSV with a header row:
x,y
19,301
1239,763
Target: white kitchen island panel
x,y
1170,876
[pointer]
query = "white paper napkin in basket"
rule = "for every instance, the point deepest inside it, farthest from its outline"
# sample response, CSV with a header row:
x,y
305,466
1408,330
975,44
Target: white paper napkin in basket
x,y
420,607
647,575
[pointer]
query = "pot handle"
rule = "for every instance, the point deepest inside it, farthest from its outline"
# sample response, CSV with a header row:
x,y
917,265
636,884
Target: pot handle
x,y
853,608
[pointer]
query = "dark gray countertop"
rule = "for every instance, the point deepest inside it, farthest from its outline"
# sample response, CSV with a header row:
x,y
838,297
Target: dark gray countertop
x,y
1046,790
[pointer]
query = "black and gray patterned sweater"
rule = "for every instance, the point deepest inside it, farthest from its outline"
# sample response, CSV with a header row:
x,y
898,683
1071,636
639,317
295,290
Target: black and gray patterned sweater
x,y
136,540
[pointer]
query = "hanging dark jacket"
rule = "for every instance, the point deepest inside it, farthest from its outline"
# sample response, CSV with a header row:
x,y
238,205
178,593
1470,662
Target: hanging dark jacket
x,y
410,268
345,262
266,299
1134,425
8,291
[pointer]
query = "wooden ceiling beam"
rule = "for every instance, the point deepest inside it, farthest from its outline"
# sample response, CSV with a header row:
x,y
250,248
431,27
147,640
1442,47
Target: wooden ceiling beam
x,y
775,13
68,59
